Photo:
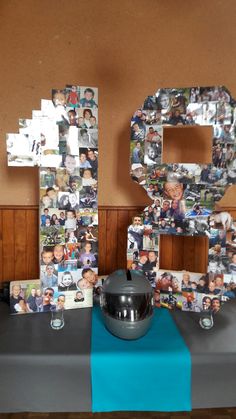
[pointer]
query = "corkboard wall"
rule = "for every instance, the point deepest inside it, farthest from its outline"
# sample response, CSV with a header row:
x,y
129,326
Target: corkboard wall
x,y
127,48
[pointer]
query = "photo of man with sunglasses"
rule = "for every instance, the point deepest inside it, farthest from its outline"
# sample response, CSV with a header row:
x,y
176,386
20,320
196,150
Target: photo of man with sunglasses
x,y
48,302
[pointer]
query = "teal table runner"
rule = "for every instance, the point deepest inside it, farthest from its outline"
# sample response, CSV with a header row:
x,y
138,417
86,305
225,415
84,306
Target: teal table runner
x,y
149,374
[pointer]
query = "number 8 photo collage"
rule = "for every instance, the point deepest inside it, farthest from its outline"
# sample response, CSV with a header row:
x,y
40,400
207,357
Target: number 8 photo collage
x,y
184,196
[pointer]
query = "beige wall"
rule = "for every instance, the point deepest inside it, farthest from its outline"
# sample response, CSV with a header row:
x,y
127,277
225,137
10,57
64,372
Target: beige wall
x,y
128,48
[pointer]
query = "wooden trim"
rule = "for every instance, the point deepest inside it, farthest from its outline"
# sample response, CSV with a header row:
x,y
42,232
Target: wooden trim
x,y
19,247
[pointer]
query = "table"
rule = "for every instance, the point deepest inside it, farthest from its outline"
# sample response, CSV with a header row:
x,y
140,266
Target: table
x,y
42,370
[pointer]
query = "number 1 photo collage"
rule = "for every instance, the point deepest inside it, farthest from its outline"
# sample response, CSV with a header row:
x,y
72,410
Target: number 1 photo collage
x,y
62,139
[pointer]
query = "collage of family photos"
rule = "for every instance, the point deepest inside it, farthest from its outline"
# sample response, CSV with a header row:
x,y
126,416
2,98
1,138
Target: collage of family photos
x,y
62,139
184,196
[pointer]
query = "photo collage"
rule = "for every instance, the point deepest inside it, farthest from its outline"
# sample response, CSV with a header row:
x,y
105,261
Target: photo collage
x,y
30,297
184,195
62,139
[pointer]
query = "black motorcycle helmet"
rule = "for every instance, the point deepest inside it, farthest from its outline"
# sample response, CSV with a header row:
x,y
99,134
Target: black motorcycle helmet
x,y
127,304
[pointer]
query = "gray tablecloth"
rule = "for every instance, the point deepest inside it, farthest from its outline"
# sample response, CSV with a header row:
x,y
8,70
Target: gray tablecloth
x,y
49,371
42,370
213,355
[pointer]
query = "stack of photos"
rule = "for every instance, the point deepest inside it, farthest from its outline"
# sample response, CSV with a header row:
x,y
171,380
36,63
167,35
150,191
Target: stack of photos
x,y
190,291
29,297
62,139
184,195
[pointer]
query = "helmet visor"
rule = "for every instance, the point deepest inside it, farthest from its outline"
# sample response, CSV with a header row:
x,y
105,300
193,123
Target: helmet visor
x,y
132,307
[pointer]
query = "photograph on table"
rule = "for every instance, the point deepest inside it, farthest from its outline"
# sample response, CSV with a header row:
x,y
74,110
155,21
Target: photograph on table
x,y
87,118
170,300
52,235
88,97
151,214
19,150
152,188
87,216
70,221
88,278
217,242
59,102
67,280
88,177
32,128
47,177
50,158
150,238
157,175
49,275
221,220
49,217
61,178
218,264
146,261
72,253
154,135
72,145
152,153
135,233
229,289
74,183
75,299
209,303
196,226
150,117
24,296
71,164
137,131
231,239
167,281
68,200
224,113
97,290
92,158
169,100
139,117
88,194
190,302
93,137
71,236
84,162
88,257
72,96
88,233
183,172
139,173
137,152
68,264
48,197
224,133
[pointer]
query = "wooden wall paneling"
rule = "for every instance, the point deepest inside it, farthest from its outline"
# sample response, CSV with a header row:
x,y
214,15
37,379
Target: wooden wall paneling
x,y
122,225
32,244
8,251
177,253
111,237
132,213
19,247
165,251
102,240
201,254
1,248
20,240
188,250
